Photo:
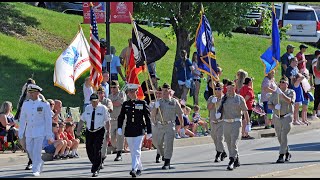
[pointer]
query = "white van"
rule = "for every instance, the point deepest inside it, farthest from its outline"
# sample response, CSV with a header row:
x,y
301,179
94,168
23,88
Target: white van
x,y
304,21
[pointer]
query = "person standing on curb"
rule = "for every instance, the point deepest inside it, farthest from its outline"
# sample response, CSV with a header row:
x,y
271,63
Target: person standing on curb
x,y
216,124
117,97
169,107
282,101
97,119
138,123
231,109
35,124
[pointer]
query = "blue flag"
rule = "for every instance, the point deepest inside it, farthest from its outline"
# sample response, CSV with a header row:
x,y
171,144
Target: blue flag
x,y
205,49
271,56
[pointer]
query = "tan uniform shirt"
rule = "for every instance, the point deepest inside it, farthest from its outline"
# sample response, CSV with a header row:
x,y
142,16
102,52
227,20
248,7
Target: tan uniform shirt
x,y
233,107
169,109
285,107
119,97
214,110
108,103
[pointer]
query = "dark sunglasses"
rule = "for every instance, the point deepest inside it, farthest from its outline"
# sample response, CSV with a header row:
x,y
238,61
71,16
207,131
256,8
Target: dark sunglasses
x,y
217,89
283,82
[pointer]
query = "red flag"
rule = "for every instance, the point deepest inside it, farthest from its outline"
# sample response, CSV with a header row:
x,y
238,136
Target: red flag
x,y
132,74
95,54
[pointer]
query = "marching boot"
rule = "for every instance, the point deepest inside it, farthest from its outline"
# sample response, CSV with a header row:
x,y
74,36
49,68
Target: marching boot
x,y
231,164
223,155
29,166
280,160
166,165
217,156
118,158
133,173
158,158
288,156
237,162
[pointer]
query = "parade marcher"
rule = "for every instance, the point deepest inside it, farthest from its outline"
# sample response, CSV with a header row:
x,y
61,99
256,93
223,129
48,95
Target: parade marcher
x,y
97,119
108,103
155,118
282,101
216,125
170,107
231,109
117,97
138,123
35,125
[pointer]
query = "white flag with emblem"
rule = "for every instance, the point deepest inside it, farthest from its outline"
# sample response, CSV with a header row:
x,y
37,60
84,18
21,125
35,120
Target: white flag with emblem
x,y
72,63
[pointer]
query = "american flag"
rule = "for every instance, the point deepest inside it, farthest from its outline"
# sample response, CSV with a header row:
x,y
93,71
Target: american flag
x,y
95,54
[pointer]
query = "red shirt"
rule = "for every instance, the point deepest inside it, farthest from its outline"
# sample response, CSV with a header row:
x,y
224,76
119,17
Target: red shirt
x,y
69,136
224,89
247,91
300,57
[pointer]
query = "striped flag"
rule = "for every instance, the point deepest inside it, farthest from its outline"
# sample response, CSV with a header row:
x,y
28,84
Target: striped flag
x,y
95,54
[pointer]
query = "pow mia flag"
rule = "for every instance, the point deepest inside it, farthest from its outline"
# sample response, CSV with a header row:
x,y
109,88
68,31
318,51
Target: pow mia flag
x,y
146,47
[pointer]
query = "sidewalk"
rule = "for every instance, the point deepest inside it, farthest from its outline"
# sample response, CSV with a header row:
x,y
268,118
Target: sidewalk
x,y
257,132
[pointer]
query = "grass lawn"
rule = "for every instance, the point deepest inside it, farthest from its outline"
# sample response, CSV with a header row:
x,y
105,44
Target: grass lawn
x,y
34,47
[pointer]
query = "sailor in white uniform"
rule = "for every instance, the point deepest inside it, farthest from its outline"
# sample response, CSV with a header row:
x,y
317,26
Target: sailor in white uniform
x,y
36,123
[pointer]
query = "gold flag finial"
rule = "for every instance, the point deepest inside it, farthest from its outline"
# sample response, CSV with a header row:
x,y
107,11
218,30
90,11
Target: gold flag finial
x,y
202,9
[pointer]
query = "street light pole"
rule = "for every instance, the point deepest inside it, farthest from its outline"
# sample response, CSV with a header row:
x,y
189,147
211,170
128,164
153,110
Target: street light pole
x,y
108,58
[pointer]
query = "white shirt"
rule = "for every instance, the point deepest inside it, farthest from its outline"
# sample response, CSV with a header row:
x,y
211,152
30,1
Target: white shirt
x,y
101,116
87,93
35,119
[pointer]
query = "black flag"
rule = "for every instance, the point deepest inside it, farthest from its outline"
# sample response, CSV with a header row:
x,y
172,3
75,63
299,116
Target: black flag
x,y
147,47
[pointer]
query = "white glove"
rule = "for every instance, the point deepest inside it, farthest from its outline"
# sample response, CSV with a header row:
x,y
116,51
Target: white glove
x,y
157,104
119,131
248,128
277,107
149,136
218,115
214,100
151,105
278,90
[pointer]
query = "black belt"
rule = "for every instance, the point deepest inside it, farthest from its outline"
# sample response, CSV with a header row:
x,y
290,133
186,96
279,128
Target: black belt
x,y
282,115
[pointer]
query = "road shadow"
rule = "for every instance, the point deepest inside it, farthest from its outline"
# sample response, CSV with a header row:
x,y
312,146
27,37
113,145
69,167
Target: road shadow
x,y
295,147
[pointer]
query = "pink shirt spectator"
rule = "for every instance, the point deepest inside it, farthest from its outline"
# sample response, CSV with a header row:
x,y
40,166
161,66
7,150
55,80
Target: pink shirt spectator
x,y
247,91
301,63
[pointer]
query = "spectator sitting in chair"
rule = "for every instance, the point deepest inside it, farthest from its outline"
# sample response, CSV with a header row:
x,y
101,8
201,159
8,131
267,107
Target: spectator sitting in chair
x,y
55,147
75,141
197,120
7,124
63,136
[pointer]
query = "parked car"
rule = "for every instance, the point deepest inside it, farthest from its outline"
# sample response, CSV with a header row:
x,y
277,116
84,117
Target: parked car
x,y
64,7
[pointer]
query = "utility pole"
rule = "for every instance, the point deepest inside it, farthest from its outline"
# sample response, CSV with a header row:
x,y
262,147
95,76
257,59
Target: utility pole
x,y
108,57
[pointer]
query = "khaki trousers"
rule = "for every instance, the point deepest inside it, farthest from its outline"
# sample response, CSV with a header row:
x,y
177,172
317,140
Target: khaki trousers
x,y
282,127
166,135
155,133
116,139
217,135
232,133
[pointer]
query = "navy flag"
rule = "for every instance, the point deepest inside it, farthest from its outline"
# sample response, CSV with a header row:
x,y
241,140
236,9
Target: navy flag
x,y
147,47
205,49
271,57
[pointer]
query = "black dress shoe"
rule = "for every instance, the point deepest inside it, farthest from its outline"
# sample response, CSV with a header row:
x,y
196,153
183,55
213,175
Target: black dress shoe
x,y
288,157
95,174
138,172
133,173
29,167
223,155
280,159
231,164
158,158
162,158
237,162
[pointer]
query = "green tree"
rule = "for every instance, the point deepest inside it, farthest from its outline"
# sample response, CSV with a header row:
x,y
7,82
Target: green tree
x,y
185,16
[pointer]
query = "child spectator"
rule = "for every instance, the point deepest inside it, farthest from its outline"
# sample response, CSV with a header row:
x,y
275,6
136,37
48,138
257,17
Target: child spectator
x,y
63,135
199,121
75,142
191,125
55,147
183,133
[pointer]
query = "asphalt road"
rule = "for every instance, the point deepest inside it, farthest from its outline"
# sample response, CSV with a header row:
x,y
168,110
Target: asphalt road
x,y
257,158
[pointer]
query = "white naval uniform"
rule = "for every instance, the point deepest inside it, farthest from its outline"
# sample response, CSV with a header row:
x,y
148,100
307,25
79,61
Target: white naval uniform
x,y
36,124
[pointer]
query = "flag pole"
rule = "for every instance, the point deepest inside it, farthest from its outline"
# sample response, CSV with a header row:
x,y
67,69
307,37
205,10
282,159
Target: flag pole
x,y
145,64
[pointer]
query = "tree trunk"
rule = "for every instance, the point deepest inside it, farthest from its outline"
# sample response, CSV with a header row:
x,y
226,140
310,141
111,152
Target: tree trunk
x,y
183,43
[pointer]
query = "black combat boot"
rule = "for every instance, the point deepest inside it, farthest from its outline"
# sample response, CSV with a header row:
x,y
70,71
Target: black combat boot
x,y
231,164
158,158
237,162
166,164
217,156
119,157
288,156
223,155
280,160
29,166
